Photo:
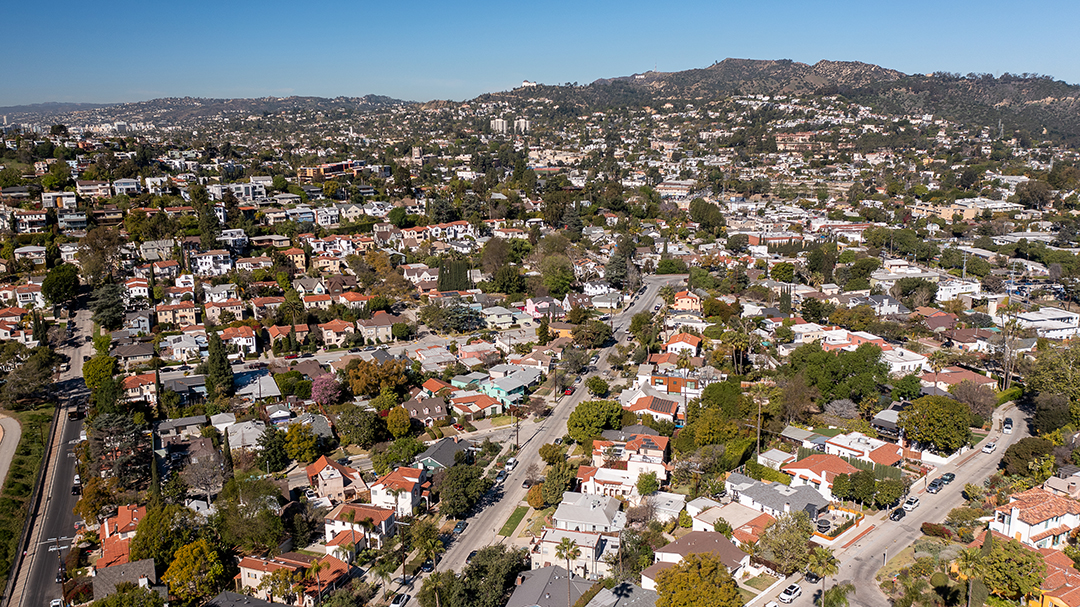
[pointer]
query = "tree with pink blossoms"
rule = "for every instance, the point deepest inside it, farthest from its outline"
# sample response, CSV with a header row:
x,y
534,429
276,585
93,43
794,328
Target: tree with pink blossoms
x,y
326,390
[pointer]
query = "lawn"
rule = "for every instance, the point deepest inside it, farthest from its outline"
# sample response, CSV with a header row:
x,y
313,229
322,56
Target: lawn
x,y
501,420
536,524
746,595
514,520
761,582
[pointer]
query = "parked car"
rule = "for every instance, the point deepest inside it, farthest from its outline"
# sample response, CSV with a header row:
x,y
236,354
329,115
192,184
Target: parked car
x,y
558,441
290,356
989,448
511,464
527,483
811,577
459,427
400,600
911,503
935,486
469,558
500,477
1007,427
428,566
569,391
948,477
460,527
790,593
897,514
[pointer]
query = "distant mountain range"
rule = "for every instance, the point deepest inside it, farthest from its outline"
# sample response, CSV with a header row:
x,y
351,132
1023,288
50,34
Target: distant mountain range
x,y
1032,103
1028,102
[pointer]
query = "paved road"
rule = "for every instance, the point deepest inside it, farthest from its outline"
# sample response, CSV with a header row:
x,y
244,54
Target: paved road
x,y
35,582
860,562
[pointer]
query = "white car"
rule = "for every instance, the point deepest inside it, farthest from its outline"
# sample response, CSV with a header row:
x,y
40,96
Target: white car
x,y
911,503
790,593
989,448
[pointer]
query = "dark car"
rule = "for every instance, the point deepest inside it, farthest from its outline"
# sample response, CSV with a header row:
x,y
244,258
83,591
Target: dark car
x,y
948,477
897,514
527,483
812,577
469,558
428,566
460,527
935,486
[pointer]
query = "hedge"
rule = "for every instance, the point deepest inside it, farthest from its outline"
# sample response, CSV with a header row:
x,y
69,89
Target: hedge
x,y
765,473
934,530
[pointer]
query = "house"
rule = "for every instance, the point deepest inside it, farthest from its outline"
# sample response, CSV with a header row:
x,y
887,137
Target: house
x,y
215,309
93,189
746,523
178,315
547,587
589,513
30,222
1038,518
624,595
140,573
356,517
637,454
695,542
859,446
660,409
300,332
433,386
27,296
427,410
775,498
497,317
683,343
953,376
183,428
334,481
242,338
818,471
592,547
315,577
127,186
474,405
134,354
336,332
245,435
58,200
598,287
607,481
139,388
402,490
378,328
443,454
116,534
33,254
71,220
687,300
216,262
320,302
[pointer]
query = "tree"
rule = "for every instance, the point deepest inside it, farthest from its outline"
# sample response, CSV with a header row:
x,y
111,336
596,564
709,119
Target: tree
x,y
841,486
370,378
784,541
863,486
915,292
249,513
567,549
592,334
107,306
272,454
325,390
784,272
647,483
507,279
597,386
551,453
1011,570
557,274
700,580
398,421
61,284
219,374
938,422
360,427
196,573
837,596
979,398
99,255
460,489
1055,373
163,531
281,583
590,417
402,331
557,481
496,254
823,564
738,243
907,387
535,496
301,444
1021,454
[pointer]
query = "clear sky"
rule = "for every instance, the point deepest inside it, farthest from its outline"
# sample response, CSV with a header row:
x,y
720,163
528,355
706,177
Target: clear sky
x,y
121,50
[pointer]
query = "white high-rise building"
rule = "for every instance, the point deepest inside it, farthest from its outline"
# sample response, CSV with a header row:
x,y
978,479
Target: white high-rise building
x,y
521,125
499,125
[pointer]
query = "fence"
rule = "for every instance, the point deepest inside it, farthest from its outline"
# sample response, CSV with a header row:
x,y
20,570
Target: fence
x,y
880,472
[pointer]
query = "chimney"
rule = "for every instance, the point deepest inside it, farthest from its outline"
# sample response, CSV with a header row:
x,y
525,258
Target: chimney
x,y
787,507
144,582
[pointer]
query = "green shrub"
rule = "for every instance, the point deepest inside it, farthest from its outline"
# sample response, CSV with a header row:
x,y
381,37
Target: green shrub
x,y
939,580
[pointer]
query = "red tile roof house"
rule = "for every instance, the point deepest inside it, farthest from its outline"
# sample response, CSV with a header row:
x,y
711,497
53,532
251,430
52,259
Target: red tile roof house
x,y
818,471
683,342
117,532
476,406
331,479
353,517
658,408
433,386
280,332
1037,518
403,490
331,574
951,376
335,332
1061,583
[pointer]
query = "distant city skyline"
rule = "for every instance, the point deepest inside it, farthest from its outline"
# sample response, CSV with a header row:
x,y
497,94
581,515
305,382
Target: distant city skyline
x,y
77,52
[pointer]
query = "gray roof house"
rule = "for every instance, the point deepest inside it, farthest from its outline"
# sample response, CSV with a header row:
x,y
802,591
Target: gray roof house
x,y
441,454
546,587
591,513
184,426
624,595
140,573
233,599
775,498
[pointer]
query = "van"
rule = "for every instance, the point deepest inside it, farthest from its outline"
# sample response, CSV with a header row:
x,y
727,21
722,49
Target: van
x,y
510,464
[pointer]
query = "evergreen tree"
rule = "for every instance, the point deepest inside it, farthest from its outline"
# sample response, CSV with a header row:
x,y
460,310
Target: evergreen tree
x,y
219,375
615,270
572,219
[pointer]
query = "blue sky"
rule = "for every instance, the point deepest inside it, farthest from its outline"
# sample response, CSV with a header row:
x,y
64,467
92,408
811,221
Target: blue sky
x,y
130,51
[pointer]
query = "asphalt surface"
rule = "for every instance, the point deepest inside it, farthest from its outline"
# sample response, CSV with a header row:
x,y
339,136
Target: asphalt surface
x,y
54,520
860,562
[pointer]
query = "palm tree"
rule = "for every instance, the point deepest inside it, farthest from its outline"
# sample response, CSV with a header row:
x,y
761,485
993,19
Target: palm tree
x,y
567,549
823,564
312,573
837,596
431,548
969,564
384,570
